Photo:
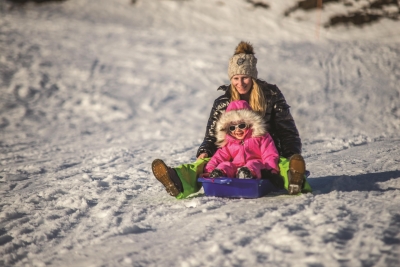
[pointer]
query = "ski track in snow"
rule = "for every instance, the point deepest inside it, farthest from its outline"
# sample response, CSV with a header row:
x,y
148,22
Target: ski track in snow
x,y
86,106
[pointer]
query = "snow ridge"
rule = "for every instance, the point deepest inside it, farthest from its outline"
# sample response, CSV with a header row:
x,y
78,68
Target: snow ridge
x,y
93,91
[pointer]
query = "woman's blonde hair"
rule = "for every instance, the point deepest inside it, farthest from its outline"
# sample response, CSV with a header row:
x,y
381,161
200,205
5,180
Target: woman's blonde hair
x,y
257,99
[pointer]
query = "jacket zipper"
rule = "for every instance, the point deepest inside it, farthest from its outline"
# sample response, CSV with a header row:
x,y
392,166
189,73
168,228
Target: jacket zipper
x,y
244,151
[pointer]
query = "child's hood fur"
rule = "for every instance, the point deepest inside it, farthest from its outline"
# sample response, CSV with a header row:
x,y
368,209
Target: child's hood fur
x,y
254,120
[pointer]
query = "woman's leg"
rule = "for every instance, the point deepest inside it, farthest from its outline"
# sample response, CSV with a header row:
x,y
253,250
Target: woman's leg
x,y
188,174
284,170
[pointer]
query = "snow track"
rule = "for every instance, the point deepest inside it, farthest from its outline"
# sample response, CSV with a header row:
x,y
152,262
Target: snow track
x,y
92,93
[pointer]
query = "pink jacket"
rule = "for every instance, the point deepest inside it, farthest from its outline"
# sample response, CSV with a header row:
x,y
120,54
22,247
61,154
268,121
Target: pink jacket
x,y
256,151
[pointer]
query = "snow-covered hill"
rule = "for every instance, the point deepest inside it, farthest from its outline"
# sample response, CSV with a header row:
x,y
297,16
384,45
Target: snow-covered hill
x,y
93,91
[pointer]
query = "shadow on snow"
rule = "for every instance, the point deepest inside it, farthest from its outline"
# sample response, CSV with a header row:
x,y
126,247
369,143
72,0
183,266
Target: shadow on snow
x,y
362,182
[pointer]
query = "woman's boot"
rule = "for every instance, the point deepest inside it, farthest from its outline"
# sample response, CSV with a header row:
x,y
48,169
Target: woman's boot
x,y
167,176
297,169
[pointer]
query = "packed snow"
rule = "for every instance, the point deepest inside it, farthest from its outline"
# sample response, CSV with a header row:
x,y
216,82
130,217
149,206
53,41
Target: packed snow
x,y
93,91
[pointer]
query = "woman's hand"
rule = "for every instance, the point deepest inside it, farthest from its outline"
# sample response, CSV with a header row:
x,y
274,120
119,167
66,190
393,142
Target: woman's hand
x,y
202,156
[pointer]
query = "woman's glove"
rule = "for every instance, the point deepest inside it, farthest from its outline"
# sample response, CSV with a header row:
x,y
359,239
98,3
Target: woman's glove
x,y
273,171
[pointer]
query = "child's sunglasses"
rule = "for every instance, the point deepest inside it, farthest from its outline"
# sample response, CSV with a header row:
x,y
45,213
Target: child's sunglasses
x,y
241,126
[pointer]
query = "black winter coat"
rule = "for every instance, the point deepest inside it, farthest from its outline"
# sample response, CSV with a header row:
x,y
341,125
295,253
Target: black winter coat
x,y
279,121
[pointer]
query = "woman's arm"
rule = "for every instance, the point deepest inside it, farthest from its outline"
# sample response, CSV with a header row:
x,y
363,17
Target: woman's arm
x,y
208,145
284,127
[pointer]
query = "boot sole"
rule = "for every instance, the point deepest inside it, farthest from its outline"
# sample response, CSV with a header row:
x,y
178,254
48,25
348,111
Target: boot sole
x,y
160,171
297,169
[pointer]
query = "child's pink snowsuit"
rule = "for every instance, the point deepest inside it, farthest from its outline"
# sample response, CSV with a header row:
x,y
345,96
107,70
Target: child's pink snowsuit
x,y
256,151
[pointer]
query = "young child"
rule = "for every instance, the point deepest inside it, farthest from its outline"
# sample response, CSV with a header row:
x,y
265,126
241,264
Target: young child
x,y
245,147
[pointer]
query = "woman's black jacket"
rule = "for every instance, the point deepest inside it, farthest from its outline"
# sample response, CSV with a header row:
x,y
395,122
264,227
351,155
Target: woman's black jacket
x,y
279,121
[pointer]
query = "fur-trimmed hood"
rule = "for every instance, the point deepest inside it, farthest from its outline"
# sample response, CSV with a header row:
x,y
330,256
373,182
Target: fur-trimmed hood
x,y
239,111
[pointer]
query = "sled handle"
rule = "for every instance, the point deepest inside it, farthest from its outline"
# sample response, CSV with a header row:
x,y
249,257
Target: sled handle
x,y
221,180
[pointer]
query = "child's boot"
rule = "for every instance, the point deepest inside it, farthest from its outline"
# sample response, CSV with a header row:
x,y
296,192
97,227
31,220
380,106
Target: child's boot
x,y
217,173
244,173
167,176
297,169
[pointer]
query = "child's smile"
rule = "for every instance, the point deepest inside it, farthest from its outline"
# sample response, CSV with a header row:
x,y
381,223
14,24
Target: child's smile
x,y
238,134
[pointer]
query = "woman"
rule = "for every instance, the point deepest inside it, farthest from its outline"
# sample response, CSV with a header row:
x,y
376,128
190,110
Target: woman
x,y
265,99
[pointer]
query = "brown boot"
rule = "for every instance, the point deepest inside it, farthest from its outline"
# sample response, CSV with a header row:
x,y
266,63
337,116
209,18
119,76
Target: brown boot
x,y
167,176
297,169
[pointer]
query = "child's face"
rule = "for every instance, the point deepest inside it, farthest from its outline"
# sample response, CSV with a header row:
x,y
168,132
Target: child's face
x,y
238,130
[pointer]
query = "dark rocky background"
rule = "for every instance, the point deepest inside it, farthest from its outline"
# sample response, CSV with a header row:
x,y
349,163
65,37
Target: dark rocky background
x,y
368,12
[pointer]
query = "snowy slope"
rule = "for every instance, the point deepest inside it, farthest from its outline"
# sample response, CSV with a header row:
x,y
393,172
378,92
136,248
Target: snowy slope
x,y
93,91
